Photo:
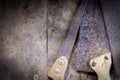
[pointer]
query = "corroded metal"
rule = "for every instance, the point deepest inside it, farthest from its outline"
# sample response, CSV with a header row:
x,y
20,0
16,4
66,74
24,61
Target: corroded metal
x,y
68,45
92,37
111,12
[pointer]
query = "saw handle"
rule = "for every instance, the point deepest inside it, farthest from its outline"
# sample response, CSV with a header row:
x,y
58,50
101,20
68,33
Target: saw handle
x,y
57,71
101,65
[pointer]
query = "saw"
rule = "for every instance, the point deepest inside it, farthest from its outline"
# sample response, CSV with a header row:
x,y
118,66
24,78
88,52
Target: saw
x,y
93,45
111,12
57,71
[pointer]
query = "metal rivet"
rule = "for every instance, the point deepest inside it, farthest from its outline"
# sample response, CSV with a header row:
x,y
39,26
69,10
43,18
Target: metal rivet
x,y
61,62
106,57
94,63
35,77
57,71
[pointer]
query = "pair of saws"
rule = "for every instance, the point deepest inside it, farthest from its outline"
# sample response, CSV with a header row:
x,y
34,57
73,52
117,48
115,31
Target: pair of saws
x,y
95,35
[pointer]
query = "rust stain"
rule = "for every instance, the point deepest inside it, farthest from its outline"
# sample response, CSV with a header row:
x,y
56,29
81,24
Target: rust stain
x,y
92,37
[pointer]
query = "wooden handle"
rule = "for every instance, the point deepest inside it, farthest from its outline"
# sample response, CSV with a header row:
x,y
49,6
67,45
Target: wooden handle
x,y
101,65
58,69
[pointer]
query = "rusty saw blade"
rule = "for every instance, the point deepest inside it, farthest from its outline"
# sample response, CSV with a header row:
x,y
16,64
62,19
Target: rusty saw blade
x,y
111,11
58,69
92,40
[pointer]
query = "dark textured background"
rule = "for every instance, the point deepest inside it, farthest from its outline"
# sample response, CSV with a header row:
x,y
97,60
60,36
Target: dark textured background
x,y
32,32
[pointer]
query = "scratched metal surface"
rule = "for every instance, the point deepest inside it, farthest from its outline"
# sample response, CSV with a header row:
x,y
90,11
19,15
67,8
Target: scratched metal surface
x,y
92,37
111,11
23,40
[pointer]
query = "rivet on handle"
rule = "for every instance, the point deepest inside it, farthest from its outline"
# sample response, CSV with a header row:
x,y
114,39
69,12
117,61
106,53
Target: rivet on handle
x,y
101,65
57,71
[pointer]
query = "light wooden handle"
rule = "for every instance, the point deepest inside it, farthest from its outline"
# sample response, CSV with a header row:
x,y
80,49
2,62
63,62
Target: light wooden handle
x,y
57,71
101,65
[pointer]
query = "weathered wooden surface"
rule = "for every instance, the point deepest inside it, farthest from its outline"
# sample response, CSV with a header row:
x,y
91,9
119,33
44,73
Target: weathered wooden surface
x,y
31,33
111,11
92,37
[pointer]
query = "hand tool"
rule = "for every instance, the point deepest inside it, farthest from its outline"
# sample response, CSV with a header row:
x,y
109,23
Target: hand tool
x,y
111,12
93,39
58,69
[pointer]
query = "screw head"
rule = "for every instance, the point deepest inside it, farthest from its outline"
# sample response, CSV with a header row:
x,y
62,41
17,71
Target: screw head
x,y
57,71
106,57
94,63
61,62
